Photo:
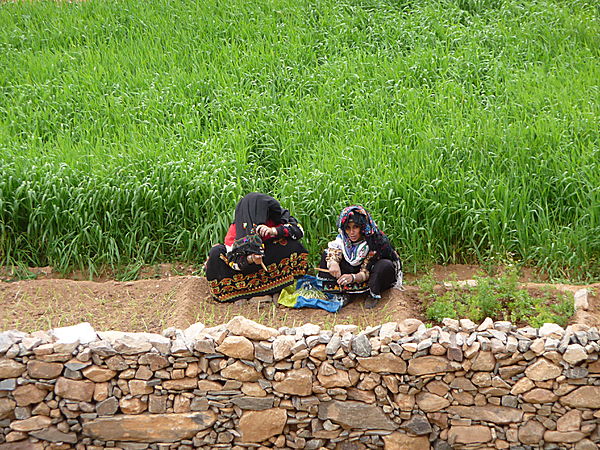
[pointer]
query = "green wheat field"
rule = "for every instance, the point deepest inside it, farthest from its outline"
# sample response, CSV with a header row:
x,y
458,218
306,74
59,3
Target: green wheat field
x,y
469,128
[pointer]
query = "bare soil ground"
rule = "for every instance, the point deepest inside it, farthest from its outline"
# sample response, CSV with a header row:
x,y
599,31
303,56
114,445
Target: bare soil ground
x,y
174,297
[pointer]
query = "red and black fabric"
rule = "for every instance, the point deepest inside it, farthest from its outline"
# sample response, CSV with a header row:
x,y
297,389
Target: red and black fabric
x,y
285,260
381,278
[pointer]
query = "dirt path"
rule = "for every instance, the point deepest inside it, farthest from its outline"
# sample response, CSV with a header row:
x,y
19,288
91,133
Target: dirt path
x,y
155,304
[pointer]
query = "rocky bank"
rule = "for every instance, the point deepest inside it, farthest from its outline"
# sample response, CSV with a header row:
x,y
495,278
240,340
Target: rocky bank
x,y
243,385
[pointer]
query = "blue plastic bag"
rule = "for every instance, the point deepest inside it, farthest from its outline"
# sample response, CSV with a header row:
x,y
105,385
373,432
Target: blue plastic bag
x,y
309,291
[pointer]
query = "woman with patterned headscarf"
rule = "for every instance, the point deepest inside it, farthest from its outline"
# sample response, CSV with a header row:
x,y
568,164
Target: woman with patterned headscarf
x,y
361,259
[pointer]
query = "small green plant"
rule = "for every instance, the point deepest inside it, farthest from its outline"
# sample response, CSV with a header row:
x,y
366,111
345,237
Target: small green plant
x,y
427,285
522,307
558,313
499,298
20,272
441,309
129,272
482,300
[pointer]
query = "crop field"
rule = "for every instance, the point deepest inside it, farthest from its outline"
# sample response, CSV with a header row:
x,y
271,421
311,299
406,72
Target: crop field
x,y
469,128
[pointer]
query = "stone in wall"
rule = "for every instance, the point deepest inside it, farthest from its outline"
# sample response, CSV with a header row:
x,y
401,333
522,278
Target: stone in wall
x,y
149,427
295,382
426,365
257,426
400,441
473,434
355,415
240,326
10,368
583,397
28,394
384,363
74,389
488,413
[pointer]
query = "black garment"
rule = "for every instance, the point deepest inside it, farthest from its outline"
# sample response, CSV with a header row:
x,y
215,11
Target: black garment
x,y
382,277
285,260
255,209
229,274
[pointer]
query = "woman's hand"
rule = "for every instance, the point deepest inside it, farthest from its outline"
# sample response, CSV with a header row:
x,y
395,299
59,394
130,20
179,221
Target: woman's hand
x,y
346,279
254,259
334,270
265,231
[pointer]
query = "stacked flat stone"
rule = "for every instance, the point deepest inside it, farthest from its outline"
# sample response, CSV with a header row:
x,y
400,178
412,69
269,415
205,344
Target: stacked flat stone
x,y
244,385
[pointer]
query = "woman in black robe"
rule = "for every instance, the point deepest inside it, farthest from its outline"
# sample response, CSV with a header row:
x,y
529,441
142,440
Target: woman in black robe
x,y
262,253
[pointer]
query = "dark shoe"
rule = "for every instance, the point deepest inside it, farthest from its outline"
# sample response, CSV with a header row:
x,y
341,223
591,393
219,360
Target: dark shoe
x,y
371,302
342,299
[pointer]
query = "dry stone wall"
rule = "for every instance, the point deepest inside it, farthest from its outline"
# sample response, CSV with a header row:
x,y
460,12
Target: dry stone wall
x,y
244,385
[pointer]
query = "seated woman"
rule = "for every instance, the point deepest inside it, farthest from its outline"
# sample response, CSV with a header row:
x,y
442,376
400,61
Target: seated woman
x,y
262,253
361,258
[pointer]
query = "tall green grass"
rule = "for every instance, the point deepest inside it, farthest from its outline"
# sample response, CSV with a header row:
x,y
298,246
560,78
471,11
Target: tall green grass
x,y
469,128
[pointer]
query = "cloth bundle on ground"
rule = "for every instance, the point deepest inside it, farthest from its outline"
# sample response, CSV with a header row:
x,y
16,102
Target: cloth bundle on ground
x,y
308,293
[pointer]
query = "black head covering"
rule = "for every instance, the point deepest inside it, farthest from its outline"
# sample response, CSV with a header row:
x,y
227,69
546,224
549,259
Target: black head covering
x,y
252,210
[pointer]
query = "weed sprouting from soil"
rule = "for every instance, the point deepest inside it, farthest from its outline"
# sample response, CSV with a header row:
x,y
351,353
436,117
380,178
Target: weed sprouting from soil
x,y
500,298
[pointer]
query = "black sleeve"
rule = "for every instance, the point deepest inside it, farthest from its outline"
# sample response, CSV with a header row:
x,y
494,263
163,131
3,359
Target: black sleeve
x,y
291,230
